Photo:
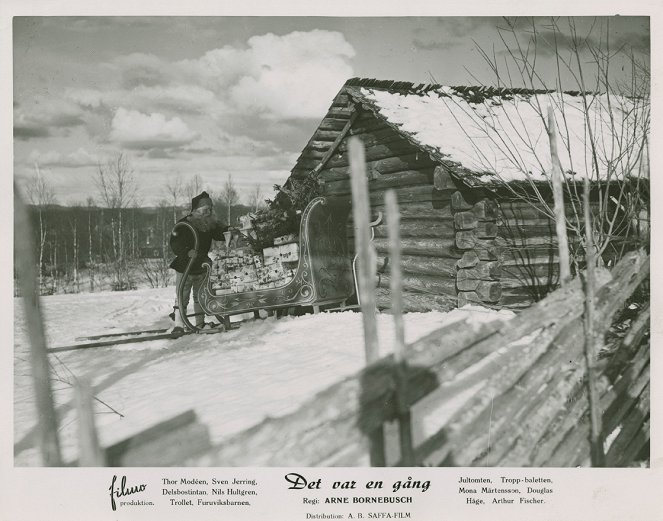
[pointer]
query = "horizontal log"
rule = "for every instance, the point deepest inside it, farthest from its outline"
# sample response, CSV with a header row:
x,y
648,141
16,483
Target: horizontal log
x,y
409,162
416,302
411,194
530,256
311,154
530,221
399,179
470,240
530,270
333,123
522,293
436,266
422,284
413,228
517,233
406,196
328,175
367,122
530,283
515,304
375,153
414,161
525,211
340,112
376,138
326,135
321,146
424,246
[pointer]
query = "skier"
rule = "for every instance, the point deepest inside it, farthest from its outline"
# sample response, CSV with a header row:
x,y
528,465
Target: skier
x,y
206,223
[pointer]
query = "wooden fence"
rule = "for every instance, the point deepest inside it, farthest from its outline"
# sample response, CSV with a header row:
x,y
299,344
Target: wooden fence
x,y
527,404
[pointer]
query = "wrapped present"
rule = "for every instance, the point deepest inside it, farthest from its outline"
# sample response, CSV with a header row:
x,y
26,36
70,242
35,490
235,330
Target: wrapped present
x,y
289,252
285,239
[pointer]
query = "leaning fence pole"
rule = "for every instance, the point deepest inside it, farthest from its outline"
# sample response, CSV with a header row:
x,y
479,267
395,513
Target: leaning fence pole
x,y
396,290
91,454
366,261
41,377
558,198
591,339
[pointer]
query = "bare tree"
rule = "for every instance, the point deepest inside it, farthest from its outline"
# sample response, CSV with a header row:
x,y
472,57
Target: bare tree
x,y
611,152
256,199
118,190
193,187
173,190
91,263
40,194
229,195
73,224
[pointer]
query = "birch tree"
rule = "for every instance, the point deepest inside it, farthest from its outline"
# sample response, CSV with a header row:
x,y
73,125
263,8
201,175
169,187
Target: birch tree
x,y
40,194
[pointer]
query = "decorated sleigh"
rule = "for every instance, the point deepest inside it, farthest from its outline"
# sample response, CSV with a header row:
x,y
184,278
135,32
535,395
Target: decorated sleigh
x,y
323,273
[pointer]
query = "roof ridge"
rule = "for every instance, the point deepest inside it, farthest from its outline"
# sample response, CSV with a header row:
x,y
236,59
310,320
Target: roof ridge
x,y
472,92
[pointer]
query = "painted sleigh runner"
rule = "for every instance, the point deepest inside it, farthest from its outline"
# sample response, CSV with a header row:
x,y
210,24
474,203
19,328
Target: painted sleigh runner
x,y
323,275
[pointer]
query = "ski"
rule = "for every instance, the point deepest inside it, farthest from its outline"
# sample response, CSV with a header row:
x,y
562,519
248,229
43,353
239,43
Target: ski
x,y
135,340
126,333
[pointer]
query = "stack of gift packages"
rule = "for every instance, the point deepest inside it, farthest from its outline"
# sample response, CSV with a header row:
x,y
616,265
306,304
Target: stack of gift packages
x,y
239,269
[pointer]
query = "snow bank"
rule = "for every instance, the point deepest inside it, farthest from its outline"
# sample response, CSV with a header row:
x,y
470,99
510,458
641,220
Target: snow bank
x,y
232,380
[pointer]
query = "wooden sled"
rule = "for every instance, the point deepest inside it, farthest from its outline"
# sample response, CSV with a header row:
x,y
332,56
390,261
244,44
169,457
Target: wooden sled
x,y
323,275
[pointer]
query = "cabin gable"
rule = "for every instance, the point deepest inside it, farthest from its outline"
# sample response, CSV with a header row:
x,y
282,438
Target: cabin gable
x,y
464,239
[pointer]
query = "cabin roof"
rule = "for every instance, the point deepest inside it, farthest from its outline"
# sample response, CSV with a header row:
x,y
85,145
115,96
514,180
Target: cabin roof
x,y
488,135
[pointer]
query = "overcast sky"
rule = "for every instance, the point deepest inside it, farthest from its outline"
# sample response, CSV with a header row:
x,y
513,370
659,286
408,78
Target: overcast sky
x,y
235,95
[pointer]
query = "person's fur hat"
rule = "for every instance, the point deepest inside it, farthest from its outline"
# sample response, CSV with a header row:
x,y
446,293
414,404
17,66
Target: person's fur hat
x,y
201,199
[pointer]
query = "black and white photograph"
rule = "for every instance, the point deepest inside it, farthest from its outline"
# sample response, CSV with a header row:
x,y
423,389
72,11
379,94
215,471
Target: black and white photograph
x,y
316,243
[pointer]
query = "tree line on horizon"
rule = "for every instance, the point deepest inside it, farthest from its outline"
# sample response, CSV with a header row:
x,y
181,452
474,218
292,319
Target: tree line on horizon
x,y
112,242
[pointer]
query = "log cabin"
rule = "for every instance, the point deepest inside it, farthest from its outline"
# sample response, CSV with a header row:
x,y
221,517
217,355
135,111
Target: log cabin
x,y
471,171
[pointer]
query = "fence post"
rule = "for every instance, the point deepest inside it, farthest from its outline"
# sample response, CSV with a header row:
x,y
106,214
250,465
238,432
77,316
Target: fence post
x,y
558,197
41,377
90,452
591,338
366,260
396,289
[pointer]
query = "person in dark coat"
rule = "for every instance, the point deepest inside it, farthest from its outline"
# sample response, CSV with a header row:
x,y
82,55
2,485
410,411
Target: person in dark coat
x,y
206,223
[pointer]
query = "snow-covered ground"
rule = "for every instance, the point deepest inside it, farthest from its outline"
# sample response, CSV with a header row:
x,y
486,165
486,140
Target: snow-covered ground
x,y
232,380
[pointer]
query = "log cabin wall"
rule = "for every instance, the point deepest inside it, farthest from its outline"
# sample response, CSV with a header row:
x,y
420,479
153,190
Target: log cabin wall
x,y
457,244
460,241
530,259
427,219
